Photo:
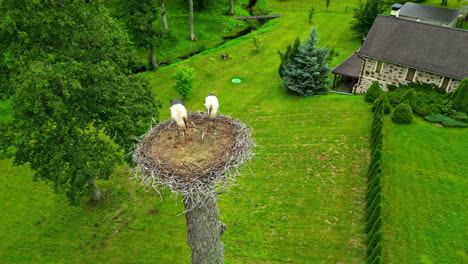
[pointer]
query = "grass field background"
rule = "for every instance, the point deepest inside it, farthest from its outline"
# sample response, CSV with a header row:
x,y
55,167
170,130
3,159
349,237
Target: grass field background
x,y
300,201
425,187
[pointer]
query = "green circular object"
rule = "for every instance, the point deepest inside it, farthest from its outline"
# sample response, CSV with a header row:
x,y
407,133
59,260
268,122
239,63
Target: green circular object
x,y
236,80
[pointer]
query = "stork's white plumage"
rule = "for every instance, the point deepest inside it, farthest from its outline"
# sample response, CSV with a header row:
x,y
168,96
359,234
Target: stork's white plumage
x,y
212,105
179,115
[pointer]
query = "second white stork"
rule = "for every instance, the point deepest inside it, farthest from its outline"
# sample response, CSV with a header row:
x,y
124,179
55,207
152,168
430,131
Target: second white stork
x,y
212,106
179,115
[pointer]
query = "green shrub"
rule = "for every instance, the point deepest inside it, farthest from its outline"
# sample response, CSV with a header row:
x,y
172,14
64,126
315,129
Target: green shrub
x,y
375,228
445,120
429,98
410,98
387,108
184,81
460,97
376,239
373,92
402,114
376,155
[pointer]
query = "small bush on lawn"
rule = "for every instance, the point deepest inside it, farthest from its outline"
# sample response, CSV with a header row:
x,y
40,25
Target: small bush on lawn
x,y
403,114
373,92
445,120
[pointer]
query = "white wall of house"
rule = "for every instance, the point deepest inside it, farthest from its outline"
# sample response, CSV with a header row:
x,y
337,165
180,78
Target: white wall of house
x,y
395,74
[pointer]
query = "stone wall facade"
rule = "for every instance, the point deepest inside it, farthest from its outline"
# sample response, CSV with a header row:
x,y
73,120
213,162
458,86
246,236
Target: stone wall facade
x,y
395,74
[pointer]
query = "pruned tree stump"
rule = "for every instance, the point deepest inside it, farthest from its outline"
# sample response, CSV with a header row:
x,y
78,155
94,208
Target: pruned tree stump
x,y
196,170
224,56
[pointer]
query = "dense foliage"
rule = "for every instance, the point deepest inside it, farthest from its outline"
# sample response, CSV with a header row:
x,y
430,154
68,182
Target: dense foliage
x,y
403,114
428,99
307,73
139,16
75,108
460,97
365,14
409,97
286,57
373,92
387,108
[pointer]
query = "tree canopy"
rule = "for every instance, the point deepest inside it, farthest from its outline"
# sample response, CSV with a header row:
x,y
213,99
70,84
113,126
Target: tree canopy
x,y
75,107
365,14
306,73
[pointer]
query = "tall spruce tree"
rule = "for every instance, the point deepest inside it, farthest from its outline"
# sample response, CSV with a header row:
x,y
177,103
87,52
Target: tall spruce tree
x,y
306,73
286,57
75,107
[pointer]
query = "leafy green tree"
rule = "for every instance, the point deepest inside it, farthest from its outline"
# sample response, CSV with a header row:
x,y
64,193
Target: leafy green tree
x,y
75,107
460,97
286,57
365,14
139,16
184,81
306,73
373,92
164,15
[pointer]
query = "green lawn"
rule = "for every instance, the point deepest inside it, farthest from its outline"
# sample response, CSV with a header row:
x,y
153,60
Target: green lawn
x,y
300,201
425,187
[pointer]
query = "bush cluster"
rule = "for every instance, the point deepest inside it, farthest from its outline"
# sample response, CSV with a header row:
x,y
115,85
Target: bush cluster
x,y
373,212
427,99
445,120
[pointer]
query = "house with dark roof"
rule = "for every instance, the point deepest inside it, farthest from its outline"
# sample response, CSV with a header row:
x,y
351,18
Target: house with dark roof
x,y
427,14
400,51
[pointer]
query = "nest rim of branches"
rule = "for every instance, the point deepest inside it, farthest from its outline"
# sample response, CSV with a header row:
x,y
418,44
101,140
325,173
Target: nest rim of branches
x,y
203,181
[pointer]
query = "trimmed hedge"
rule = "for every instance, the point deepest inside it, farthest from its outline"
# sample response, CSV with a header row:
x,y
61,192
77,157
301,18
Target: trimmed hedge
x,y
373,212
403,114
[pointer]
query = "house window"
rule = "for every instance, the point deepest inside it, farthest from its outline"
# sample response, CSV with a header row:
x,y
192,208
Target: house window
x,y
378,68
410,74
444,84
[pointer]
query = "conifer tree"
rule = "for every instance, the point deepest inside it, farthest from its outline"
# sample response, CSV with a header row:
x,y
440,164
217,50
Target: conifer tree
x,y
306,73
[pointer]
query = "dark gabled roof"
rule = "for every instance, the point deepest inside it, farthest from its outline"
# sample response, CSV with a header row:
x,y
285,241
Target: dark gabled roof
x,y
426,12
351,67
431,48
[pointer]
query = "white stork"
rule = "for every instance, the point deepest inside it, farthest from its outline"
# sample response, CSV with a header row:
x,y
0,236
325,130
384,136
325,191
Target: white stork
x,y
212,106
179,115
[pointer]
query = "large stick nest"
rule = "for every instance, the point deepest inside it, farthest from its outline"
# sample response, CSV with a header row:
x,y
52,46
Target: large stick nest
x,y
194,166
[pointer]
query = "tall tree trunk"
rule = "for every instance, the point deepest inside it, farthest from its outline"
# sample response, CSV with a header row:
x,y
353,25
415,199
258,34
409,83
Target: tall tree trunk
x,y
192,33
204,231
163,15
154,63
444,2
231,8
95,192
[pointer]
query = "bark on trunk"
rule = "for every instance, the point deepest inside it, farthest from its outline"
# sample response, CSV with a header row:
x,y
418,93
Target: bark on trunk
x,y
231,8
204,231
163,15
154,63
95,192
192,33
444,2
